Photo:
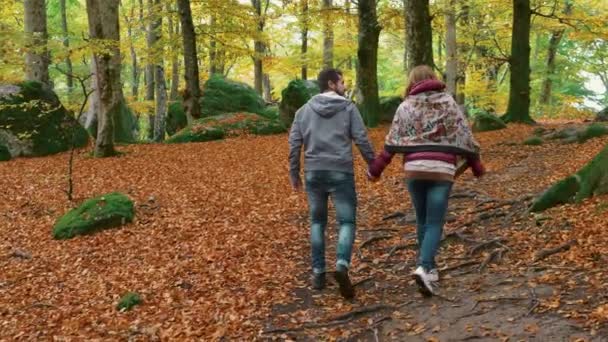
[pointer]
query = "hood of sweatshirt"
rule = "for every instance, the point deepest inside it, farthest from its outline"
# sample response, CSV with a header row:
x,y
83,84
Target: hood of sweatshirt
x,y
328,104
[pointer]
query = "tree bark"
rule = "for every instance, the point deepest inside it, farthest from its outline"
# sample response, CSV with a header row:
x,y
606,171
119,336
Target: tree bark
x,y
259,47
590,180
192,93
556,37
304,34
152,36
66,44
134,66
160,94
367,66
267,89
518,109
103,25
451,63
328,35
419,38
174,31
36,56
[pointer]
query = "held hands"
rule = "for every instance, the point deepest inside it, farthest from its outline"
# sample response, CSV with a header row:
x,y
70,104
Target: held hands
x,y
296,184
371,178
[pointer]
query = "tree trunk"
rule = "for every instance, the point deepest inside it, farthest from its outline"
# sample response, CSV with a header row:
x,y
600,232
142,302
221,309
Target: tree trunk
x,y
267,89
103,24
135,68
451,63
556,37
419,38
367,67
328,35
304,33
153,36
174,31
212,50
192,93
66,44
36,56
90,119
462,65
591,180
259,48
161,104
518,109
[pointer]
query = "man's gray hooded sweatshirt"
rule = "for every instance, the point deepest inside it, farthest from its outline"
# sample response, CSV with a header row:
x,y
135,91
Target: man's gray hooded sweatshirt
x,y
327,125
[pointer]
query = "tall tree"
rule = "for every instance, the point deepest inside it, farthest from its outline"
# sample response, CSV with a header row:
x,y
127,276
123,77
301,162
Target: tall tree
x,y
304,23
152,36
367,67
192,93
518,109
419,40
173,32
451,63
556,37
66,43
160,91
328,35
103,26
258,42
36,57
129,20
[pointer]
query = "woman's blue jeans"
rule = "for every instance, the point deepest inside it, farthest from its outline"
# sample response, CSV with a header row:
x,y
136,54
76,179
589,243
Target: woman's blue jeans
x,y
340,186
430,199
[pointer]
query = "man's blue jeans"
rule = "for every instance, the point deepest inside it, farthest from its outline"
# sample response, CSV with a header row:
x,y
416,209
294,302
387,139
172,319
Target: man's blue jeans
x,y
341,186
430,199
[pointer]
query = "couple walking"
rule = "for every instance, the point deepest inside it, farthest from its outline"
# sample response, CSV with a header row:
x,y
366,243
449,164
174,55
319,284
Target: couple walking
x,y
428,128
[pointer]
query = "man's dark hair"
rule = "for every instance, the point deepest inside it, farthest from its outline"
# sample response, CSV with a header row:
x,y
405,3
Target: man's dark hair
x,y
328,75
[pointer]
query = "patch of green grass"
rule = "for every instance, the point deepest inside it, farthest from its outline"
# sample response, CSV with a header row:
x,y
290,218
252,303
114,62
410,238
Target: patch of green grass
x,y
533,141
592,131
128,301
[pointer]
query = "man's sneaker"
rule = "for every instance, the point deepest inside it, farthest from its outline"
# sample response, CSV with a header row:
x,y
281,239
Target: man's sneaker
x,y
318,281
346,288
433,275
424,281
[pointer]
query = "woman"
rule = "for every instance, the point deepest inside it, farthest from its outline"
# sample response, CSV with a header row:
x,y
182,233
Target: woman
x,y
432,133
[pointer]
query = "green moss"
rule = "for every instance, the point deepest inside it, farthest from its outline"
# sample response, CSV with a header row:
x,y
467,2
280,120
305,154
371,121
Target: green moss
x,y
484,121
36,114
294,96
560,193
176,118
4,153
592,131
218,127
534,141
128,301
224,96
107,211
388,107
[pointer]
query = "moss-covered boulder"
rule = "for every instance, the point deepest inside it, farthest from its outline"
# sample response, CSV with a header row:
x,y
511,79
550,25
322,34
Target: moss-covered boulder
x,y
128,301
484,121
388,107
33,122
297,93
227,125
103,212
222,96
592,131
176,118
591,180
533,141
4,153
602,115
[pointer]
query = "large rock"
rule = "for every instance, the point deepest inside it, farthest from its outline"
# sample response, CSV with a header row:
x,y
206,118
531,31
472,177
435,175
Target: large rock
x,y
484,121
227,125
103,212
602,115
388,107
176,118
4,153
225,96
297,93
33,122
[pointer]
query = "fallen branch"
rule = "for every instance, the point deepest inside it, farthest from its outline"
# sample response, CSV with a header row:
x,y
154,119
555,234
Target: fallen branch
x,y
373,239
550,251
486,244
394,215
401,247
463,264
362,281
496,254
484,300
338,320
379,230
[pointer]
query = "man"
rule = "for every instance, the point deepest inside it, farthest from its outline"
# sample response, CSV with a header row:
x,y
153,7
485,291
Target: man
x,y
327,125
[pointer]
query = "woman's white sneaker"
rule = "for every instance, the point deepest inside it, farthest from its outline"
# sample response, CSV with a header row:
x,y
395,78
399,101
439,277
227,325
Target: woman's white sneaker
x,y
425,281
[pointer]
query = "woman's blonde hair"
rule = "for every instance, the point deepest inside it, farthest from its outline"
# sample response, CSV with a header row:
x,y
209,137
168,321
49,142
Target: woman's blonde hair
x,y
419,73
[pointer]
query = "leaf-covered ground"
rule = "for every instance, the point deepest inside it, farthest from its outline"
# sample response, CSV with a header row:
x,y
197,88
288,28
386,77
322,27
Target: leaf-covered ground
x,y
219,249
